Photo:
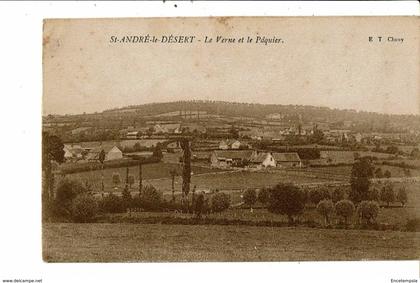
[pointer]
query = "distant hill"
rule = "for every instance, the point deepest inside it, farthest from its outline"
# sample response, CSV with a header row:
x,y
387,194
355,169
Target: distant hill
x,y
288,112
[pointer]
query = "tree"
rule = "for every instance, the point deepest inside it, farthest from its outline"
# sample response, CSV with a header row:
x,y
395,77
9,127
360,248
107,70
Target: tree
x,y
137,146
345,209
338,194
387,194
250,197
127,199
101,160
325,208
67,191
140,178
220,202
116,179
379,173
317,136
387,174
374,194
263,196
173,174
151,198
318,194
157,152
131,181
402,196
84,208
368,211
52,150
199,205
361,173
286,199
186,169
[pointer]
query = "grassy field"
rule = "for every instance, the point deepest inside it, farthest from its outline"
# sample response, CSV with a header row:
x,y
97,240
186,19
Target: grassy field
x,y
149,171
239,180
138,242
345,170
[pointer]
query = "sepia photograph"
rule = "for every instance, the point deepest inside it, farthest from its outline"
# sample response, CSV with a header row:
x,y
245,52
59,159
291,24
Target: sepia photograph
x,y
230,139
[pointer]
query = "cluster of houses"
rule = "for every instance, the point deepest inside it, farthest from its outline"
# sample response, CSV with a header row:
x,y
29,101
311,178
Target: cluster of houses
x,y
78,152
254,159
233,144
160,129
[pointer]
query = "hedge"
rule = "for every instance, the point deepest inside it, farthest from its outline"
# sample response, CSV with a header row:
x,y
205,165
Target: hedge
x,y
83,167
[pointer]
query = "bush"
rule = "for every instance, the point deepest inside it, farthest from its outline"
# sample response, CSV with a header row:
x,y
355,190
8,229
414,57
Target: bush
x,y
84,208
373,195
199,205
127,199
387,194
338,194
250,197
111,204
325,208
220,202
402,196
67,191
150,199
286,199
263,196
345,209
319,194
368,211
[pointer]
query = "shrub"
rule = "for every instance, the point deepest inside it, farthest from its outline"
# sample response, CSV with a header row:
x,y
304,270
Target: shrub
x,y
127,200
150,199
387,174
319,194
220,202
250,197
150,194
199,205
373,194
402,196
325,208
387,194
345,209
111,204
286,199
263,196
338,194
67,191
368,211
84,208
378,173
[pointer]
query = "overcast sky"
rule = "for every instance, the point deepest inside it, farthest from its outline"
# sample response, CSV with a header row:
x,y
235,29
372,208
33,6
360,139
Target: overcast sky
x,y
324,62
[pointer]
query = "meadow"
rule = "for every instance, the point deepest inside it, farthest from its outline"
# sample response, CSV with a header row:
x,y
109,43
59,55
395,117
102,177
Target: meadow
x,y
122,242
149,171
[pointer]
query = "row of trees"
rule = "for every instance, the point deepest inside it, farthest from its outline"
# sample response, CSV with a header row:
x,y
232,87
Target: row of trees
x,y
75,201
314,196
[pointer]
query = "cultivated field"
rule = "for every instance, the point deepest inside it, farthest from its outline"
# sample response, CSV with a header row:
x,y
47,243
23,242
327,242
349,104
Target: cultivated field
x,y
153,242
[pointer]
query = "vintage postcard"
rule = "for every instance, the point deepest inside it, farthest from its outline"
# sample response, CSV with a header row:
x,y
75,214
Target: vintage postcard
x,y
231,139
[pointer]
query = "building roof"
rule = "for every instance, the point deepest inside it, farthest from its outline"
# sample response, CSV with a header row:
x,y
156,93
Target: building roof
x,y
259,158
233,154
286,157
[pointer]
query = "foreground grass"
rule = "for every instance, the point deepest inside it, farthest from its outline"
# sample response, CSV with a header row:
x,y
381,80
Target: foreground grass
x,y
66,242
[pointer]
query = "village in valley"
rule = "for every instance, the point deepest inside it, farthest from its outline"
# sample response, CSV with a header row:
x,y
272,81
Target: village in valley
x,y
215,163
